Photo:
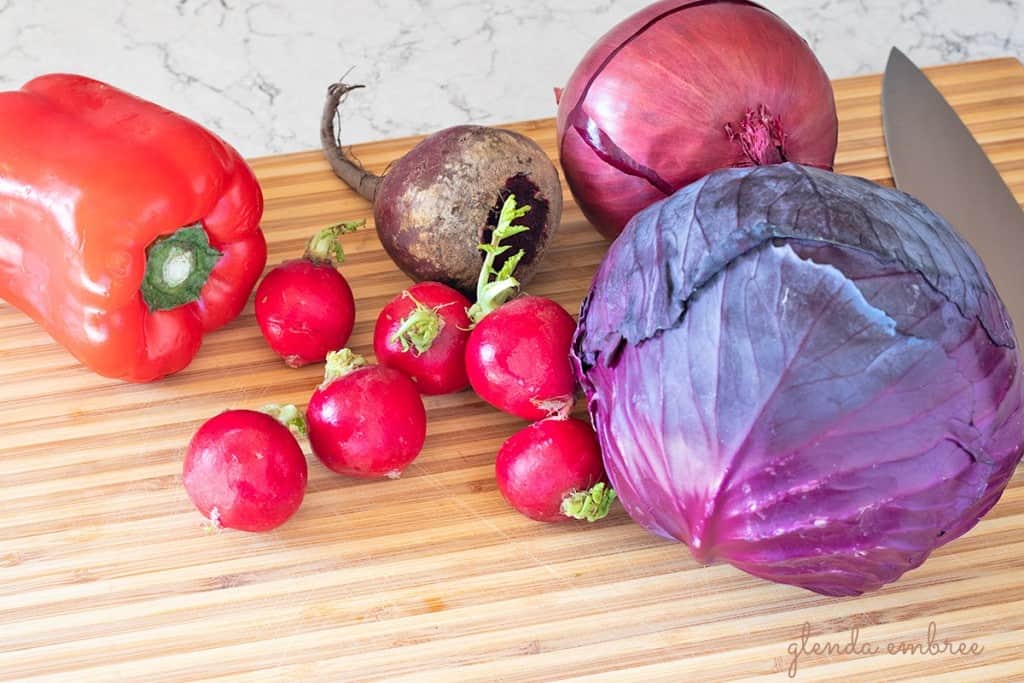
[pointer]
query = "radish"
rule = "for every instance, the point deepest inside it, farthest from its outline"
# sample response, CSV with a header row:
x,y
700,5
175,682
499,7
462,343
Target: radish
x,y
437,203
365,420
552,471
422,332
517,356
305,307
244,469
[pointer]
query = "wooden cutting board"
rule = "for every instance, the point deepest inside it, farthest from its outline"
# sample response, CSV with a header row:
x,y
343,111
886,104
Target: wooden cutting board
x,y
106,572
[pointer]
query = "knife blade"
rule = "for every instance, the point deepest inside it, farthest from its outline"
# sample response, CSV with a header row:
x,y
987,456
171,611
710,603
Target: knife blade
x,y
934,157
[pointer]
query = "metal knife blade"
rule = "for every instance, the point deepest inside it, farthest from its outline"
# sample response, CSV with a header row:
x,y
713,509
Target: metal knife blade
x,y
935,158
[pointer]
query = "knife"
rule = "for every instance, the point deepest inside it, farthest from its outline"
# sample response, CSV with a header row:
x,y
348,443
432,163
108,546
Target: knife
x,y
935,158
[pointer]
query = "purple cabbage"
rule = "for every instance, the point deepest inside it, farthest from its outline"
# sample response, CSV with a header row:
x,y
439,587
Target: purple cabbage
x,y
804,374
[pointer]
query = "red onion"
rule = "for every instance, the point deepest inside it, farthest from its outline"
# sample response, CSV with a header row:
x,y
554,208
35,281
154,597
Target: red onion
x,y
680,89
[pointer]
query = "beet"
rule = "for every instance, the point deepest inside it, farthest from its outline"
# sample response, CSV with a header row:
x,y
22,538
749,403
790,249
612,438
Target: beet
x,y
438,203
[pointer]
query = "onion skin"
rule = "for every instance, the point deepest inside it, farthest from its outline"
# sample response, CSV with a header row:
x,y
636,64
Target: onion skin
x,y
728,60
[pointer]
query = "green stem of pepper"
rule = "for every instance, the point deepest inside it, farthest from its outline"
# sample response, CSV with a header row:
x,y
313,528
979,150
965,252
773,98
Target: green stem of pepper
x,y
177,267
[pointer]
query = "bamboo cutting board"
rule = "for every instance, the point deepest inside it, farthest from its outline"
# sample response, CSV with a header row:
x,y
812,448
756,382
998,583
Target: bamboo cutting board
x,y
106,573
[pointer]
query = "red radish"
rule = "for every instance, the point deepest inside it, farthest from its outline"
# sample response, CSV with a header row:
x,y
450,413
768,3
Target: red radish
x,y
517,356
422,332
365,420
552,471
244,470
305,307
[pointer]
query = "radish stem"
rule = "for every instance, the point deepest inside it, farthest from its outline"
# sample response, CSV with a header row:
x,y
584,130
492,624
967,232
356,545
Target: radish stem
x,y
490,294
341,363
288,415
325,246
419,329
591,505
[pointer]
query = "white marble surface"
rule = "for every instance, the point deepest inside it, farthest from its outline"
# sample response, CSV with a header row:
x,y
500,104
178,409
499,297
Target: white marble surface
x,y
255,71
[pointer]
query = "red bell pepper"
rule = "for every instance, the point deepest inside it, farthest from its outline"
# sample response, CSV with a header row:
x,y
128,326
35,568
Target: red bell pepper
x,y
126,231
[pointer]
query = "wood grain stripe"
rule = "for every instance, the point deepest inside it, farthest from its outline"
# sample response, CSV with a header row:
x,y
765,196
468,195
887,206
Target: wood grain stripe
x,y
106,573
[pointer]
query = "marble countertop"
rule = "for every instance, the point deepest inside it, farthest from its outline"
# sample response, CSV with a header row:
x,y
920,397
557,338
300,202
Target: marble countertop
x,y
255,72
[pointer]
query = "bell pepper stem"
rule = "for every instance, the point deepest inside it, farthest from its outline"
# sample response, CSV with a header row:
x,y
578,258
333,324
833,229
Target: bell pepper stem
x,y
177,267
